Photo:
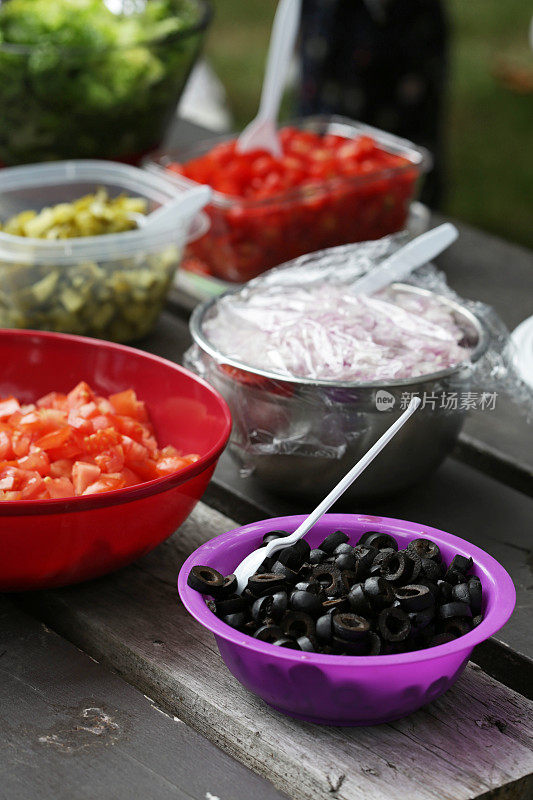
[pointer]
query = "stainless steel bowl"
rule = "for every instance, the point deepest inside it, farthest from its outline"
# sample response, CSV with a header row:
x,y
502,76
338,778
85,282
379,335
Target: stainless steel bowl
x,y
298,437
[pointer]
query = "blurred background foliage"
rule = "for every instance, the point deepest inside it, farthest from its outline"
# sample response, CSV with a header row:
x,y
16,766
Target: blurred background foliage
x,y
489,121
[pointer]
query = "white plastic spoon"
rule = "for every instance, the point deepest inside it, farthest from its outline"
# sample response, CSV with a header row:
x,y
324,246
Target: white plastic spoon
x,y
252,562
261,133
408,258
184,205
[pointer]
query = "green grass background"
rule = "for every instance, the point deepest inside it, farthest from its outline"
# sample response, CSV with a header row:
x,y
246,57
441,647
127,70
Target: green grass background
x,y
489,129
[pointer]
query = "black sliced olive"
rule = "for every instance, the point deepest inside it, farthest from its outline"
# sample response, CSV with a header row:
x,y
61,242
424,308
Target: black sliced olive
x,y
343,548
458,626
324,627
348,580
336,604
416,564
332,541
282,569
476,594
306,644
270,606
425,549
250,627
309,602
265,583
291,644
445,592
271,535
378,592
349,647
329,577
309,586
396,568
381,555
432,570
316,556
454,609
230,605
374,644
394,625
454,576
382,541
237,620
364,559
421,619
229,587
461,563
477,620
295,555
433,587
350,626
441,638
461,592
212,606
298,623
267,564
268,633
206,580
414,597
345,561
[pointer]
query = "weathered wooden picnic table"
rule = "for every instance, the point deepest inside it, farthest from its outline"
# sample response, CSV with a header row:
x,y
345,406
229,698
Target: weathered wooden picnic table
x,y
110,690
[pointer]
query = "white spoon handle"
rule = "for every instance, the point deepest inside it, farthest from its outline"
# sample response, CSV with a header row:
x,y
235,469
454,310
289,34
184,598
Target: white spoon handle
x,y
251,563
282,41
354,473
408,258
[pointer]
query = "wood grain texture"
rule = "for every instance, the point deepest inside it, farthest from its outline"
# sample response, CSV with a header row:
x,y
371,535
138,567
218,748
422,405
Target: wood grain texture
x,y
71,730
476,741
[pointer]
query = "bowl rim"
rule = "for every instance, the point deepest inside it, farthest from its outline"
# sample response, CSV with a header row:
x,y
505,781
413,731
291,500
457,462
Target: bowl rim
x,y
12,508
502,610
200,338
205,15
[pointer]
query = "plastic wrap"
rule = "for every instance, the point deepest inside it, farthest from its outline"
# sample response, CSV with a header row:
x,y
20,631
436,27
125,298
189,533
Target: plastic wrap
x,y
304,379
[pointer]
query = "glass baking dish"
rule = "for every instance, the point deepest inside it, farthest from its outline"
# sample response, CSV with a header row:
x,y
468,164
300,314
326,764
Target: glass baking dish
x,y
111,286
247,236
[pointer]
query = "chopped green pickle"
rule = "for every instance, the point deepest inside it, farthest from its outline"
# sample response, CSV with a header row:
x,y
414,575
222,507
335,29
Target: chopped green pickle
x,y
117,299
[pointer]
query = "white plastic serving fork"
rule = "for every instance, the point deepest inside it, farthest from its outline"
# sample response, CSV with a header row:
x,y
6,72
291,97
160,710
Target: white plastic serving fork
x,y
252,562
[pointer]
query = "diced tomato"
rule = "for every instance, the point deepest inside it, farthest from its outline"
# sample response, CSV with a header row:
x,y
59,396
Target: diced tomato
x,y
127,404
5,445
165,466
111,460
37,460
106,483
80,395
83,475
8,407
61,468
59,487
101,440
79,444
33,486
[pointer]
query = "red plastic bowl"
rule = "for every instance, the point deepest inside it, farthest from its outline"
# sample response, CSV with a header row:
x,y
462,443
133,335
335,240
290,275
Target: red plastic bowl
x,y
46,543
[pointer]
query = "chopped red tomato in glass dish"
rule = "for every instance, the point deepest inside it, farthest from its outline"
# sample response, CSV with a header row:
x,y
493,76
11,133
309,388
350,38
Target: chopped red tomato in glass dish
x,y
79,443
325,190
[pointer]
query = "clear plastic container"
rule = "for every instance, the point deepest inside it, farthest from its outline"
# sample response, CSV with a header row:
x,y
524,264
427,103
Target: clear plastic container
x,y
249,236
111,286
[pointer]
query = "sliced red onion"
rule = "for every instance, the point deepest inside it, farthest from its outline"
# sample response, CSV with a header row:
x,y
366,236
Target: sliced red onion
x,y
323,332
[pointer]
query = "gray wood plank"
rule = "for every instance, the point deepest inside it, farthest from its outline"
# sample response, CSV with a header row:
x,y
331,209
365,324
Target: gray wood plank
x,y
70,729
476,741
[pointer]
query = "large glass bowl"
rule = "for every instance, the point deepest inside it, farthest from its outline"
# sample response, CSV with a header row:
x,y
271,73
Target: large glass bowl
x,y
59,102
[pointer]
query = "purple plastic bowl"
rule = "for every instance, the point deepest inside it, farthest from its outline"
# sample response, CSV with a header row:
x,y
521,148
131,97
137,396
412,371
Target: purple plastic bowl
x,y
346,690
